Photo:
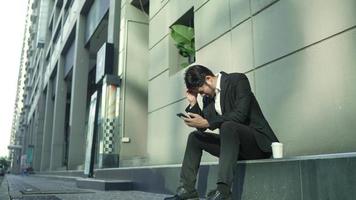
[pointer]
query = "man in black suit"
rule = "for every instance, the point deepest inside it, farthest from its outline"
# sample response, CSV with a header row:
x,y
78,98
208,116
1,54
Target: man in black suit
x,y
244,133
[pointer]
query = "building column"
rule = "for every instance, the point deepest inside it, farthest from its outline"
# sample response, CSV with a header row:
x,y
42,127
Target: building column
x,y
114,30
47,128
57,147
79,98
16,168
39,133
109,141
29,140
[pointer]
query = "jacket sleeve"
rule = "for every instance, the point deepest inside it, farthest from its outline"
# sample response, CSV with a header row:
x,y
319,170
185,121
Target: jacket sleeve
x,y
242,93
196,109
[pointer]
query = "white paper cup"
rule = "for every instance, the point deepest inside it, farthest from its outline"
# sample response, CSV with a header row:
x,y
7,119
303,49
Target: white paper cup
x,y
277,150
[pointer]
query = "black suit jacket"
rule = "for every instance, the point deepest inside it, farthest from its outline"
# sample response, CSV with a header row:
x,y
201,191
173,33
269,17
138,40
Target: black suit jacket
x,y
238,104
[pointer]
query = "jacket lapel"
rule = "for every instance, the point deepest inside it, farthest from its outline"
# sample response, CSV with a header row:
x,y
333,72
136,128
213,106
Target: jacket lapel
x,y
223,86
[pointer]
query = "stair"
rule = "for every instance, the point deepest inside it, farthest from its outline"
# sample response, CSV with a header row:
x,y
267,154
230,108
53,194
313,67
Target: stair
x,y
314,177
100,184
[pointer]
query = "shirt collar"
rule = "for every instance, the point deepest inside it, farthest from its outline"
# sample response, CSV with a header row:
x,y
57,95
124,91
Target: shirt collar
x,y
218,81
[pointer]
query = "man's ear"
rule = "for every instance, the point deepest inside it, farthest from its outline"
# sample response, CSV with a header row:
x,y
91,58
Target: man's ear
x,y
208,79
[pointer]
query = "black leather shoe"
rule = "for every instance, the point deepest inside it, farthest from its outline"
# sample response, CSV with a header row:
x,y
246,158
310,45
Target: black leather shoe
x,y
217,195
183,194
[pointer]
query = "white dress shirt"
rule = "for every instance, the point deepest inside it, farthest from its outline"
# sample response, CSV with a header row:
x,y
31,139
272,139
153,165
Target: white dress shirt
x,y
217,95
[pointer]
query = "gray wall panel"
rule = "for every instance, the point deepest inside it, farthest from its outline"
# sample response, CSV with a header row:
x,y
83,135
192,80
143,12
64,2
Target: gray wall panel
x,y
239,10
217,55
258,5
241,47
155,6
251,78
167,136
289,25
177,9
210,21
199,3
159,27
165,89
131,13
309,99
136,90
159,57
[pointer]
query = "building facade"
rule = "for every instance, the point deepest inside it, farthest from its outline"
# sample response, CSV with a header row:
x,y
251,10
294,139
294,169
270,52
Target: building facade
x,y
298,56
18,123
63,52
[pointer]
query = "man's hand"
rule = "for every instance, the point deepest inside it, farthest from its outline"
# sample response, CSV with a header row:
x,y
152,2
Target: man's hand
x,y
191,97
196,121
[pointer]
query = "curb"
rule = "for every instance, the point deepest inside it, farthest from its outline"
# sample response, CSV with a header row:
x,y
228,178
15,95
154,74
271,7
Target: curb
x,y
56,177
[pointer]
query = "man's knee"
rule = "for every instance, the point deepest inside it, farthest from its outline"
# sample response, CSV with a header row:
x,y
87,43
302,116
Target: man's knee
x,y
228,128
192,137
228,125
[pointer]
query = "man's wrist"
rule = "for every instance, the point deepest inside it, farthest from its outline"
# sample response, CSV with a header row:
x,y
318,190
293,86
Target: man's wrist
x,y
192,104
207,125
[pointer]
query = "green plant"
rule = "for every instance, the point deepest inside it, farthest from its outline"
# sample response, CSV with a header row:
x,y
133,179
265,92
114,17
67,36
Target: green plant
x,y
4,162
184,41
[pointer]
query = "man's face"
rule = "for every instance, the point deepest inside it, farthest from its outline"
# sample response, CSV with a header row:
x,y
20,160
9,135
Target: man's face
x,y
208,88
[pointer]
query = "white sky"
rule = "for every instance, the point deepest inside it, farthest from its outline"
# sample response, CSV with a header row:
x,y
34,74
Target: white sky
x,y
12,23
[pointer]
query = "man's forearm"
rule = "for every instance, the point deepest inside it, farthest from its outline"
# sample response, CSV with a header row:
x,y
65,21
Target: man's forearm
x,y
197,120
194,109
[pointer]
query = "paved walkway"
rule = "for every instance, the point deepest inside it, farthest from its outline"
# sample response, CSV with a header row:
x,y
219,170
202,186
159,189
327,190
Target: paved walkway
x,y
40,188
3,189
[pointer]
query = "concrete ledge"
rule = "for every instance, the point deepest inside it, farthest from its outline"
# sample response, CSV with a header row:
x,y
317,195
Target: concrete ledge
x,y
97,184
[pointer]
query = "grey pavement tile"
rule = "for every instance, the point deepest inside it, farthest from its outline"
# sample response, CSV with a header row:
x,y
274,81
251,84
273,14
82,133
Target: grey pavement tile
x,y
53,189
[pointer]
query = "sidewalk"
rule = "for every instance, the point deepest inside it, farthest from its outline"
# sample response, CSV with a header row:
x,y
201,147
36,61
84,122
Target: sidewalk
x,y
39,188
3,189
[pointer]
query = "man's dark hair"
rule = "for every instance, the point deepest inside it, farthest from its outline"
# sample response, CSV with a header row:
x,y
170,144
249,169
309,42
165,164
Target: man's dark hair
x,y
195,76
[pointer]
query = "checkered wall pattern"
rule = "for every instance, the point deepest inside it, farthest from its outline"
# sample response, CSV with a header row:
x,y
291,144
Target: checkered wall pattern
x,y
108,145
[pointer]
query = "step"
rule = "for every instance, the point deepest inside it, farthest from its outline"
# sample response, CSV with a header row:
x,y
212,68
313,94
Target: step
x,y
312,177
105,185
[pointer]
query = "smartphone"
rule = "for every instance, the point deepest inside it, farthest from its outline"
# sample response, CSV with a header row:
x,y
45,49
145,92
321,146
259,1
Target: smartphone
x,y
182,115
